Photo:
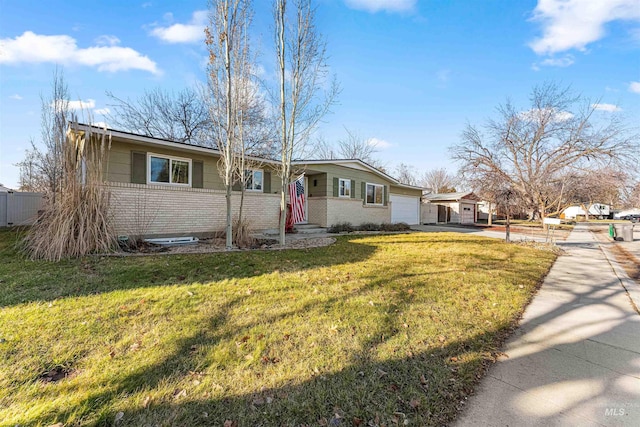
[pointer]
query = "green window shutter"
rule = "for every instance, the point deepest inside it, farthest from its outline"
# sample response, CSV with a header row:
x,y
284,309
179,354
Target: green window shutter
x,y
236,186
197,175
336,187
353,188
385,197
266,183
138,167
363,191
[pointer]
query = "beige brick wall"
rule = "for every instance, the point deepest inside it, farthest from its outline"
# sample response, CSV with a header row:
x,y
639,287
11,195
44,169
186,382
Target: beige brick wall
x,y
162,210
317,210
327,211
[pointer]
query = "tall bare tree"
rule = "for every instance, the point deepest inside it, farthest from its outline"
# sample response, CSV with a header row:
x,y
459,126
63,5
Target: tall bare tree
x,y
406,174
605,185
531,150
353,146
42,168
228,43
181,116
438,181
302,72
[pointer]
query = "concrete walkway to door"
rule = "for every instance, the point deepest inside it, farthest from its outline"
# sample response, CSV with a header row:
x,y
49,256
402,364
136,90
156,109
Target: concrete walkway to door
x,y
575,359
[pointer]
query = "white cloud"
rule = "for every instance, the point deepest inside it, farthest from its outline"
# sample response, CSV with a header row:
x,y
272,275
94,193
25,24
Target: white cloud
x,y
16,97
374,6
573,24
545,114
634,87
193,32
379,143
102,111
100,124
558,62
107,40
82,105
35,48
611,108
74,105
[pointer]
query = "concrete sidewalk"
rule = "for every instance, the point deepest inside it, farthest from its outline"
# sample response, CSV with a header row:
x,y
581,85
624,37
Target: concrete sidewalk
x,y
575,359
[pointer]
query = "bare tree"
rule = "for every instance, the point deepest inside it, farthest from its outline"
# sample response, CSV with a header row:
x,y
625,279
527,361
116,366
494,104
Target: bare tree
x,y
228,44
42,168
353,146
406,174
438,181
531,150
605,185
181,116
631,196
31,177
302,72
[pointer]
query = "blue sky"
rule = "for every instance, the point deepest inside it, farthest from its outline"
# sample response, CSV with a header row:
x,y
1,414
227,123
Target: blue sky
x,y
412,72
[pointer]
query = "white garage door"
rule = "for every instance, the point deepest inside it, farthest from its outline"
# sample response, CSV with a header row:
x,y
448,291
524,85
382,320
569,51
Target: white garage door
x,y
405,209
467,213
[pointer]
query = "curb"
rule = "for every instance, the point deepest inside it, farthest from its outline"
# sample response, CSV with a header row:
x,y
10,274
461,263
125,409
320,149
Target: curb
x,y
632,288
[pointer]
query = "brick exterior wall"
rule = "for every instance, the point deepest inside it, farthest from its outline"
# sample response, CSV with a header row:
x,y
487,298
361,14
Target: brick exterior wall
x,y
157,210
327,211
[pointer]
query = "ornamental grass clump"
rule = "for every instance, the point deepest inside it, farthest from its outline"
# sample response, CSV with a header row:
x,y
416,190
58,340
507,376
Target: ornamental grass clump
x,y
75,220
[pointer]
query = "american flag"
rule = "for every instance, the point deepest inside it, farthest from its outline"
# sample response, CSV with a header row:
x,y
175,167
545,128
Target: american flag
x,y
296,198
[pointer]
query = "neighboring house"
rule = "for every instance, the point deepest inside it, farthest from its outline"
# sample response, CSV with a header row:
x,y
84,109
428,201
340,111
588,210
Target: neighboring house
x,y
599,210
162,187
4,189
484,208
456,208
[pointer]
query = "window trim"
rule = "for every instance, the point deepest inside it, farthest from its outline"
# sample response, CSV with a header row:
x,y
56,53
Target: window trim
x,y
253,175
347,183
171,159
374,194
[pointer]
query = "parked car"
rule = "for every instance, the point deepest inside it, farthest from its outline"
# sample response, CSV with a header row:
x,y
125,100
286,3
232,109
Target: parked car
x,y
632,217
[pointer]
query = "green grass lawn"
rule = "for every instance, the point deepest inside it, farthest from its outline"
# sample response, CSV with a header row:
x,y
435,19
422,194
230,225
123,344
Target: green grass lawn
x,y
373,330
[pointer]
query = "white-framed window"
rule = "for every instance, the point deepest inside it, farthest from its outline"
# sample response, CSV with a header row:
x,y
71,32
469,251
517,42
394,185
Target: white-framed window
x,y
163,169
344,187
375,194
254,180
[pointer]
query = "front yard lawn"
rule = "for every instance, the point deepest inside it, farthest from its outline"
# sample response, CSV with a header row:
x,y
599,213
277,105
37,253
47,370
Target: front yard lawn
x,y
373,330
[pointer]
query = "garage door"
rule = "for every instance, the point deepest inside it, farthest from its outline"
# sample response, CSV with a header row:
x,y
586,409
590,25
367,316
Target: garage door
x,y
467,213
405,209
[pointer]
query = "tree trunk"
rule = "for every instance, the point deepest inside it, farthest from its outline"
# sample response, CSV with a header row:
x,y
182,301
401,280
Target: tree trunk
x,y
508,226
283,214
229,229
490,219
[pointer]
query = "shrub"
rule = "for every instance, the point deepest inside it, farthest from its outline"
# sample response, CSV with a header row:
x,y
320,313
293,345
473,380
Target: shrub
x,y
242,233
341,227
398,226
369,226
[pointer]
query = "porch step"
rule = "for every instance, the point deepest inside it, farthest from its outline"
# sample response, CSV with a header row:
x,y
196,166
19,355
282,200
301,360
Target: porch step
x,y
310,229
306,226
